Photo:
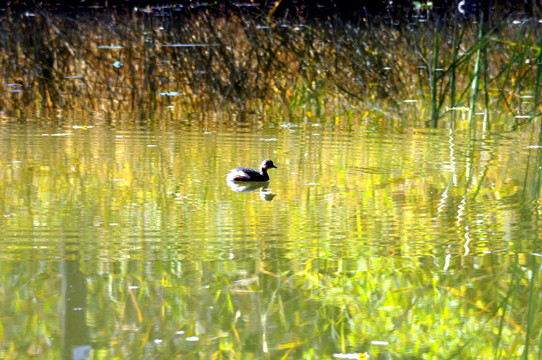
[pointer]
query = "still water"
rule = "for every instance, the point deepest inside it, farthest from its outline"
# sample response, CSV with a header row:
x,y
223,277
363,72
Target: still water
x,y
382,242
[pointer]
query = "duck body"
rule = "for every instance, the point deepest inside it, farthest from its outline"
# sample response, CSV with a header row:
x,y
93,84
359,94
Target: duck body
x,y
246,174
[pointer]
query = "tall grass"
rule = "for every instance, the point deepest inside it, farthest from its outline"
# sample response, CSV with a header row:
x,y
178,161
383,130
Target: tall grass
x,y
181,63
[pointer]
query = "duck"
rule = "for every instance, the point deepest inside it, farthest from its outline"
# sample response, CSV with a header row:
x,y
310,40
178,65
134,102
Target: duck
x,y
246,174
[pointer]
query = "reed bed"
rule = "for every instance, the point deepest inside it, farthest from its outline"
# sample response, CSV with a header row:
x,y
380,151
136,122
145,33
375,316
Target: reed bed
x,y
435,70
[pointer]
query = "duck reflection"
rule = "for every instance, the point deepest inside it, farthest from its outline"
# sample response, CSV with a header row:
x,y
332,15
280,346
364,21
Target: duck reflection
x,y
252,186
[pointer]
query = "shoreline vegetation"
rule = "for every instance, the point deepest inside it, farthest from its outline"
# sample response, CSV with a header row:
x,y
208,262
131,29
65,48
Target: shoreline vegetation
x,y
157,60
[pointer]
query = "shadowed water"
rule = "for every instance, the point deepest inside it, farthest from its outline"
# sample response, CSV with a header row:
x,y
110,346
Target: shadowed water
x,y
392,242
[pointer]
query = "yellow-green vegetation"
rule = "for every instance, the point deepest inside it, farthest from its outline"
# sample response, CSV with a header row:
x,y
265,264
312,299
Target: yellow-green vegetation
x,y
393,242
151,63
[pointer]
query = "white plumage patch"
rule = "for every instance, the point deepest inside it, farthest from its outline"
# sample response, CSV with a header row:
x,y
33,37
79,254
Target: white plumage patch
x,y
236,174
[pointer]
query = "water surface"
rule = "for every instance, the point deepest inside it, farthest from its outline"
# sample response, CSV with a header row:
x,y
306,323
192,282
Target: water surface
x,y
407,243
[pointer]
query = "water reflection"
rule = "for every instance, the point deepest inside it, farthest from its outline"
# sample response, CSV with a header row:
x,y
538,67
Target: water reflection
x,y
266,194
375,234
75,337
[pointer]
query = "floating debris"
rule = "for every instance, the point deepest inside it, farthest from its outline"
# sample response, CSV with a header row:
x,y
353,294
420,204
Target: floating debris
x,y
186,45
192,338
109,47
461,108
351,356
117,64
244,4
170,93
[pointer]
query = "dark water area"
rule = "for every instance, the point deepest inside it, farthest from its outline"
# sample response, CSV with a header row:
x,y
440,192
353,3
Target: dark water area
x,y
357,11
